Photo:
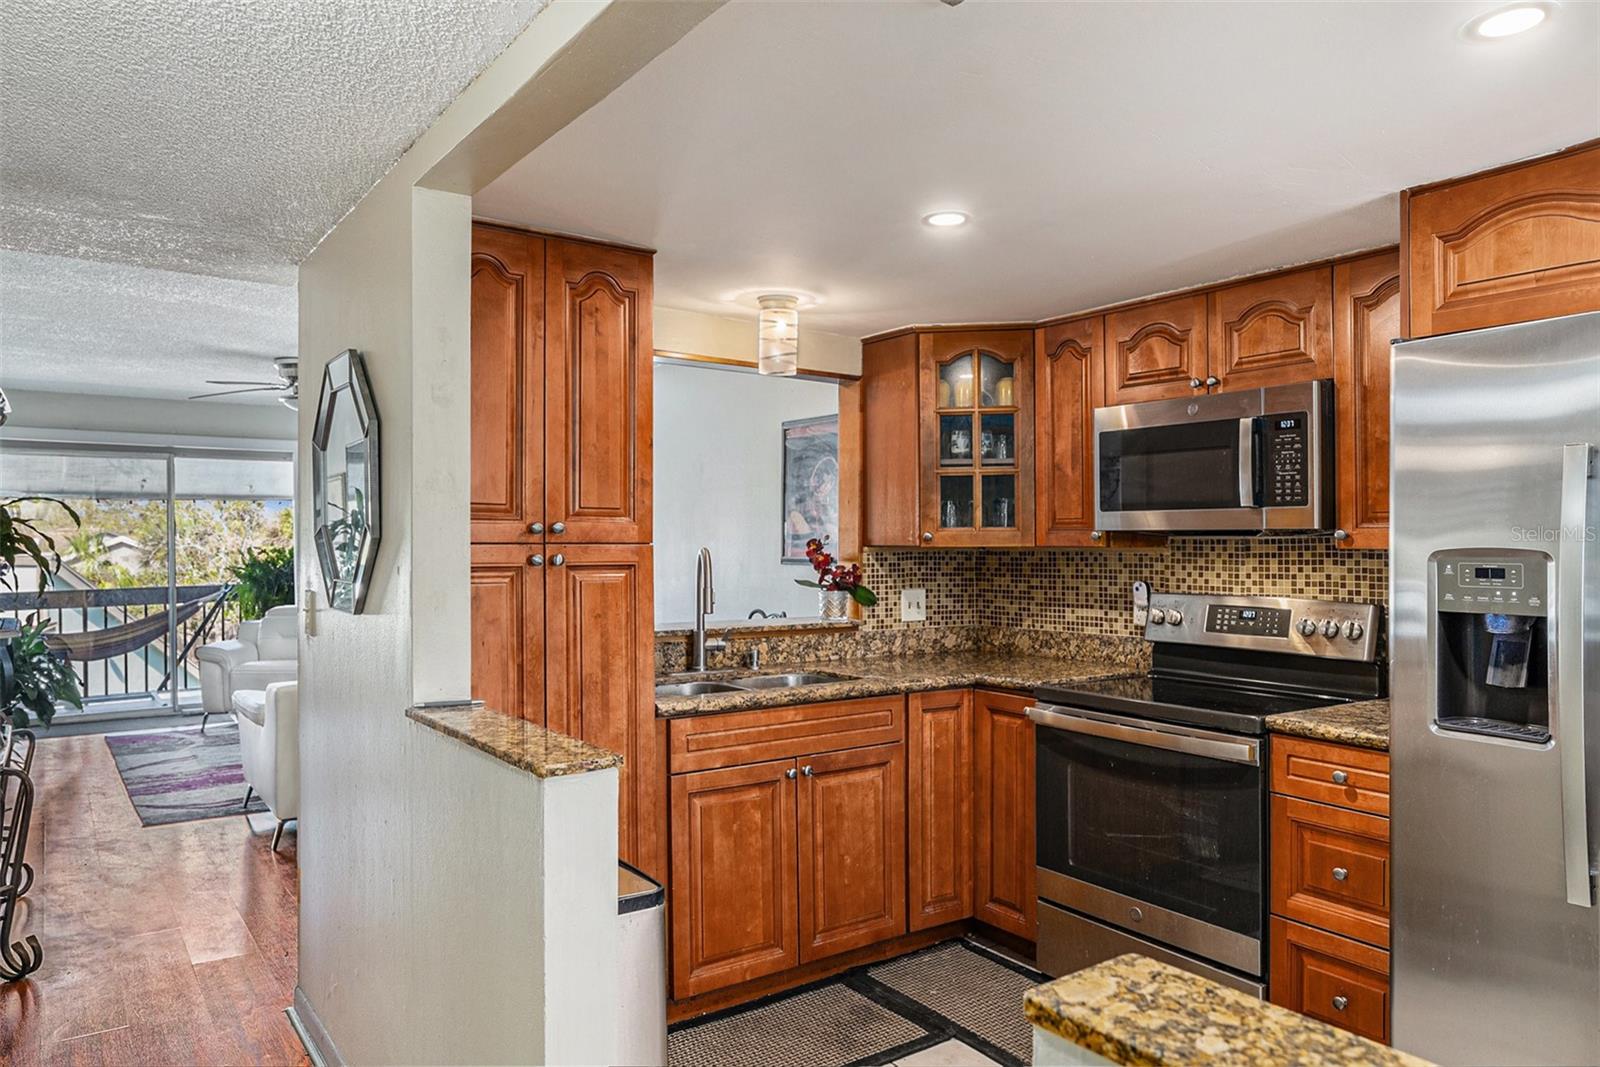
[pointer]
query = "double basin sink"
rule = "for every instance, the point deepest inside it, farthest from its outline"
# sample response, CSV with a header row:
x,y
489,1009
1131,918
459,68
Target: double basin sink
x,y
751,684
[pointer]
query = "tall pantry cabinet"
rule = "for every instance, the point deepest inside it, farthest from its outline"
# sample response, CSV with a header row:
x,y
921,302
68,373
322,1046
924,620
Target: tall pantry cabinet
x,y
562,587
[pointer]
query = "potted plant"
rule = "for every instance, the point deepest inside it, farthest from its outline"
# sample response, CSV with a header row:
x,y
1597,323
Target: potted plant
x,y
32,678
263,579
836,583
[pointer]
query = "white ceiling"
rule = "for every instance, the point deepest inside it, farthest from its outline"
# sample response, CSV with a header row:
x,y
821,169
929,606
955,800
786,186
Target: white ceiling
x,y
1105,151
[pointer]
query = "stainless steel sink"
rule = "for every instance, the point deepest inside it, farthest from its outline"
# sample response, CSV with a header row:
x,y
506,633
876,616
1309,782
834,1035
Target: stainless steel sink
x,y
789,681
696,689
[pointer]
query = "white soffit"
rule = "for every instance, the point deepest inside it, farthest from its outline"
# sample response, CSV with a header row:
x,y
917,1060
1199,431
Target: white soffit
x,y
1104,150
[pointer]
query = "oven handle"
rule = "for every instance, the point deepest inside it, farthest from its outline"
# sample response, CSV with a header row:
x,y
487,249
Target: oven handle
x,y
1149,735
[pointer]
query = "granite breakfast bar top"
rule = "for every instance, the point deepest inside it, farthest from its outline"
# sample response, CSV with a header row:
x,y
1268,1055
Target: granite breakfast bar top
x,y
888,675
525,745
1364,724
1134,1010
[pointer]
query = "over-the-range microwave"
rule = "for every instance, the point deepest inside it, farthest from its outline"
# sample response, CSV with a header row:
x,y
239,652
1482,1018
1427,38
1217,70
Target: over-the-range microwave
x,y
1256,460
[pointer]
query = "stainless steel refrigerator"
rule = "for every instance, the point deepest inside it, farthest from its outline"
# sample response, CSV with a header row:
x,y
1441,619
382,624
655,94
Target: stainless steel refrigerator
x,y
1495,684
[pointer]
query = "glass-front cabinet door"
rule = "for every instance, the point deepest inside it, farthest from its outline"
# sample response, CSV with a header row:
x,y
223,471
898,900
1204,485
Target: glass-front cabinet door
x,y
977,431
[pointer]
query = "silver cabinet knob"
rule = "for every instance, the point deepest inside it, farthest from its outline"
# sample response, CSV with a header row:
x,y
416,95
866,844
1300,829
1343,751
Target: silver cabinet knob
x,y
1095,535
1354,630
1341,1002
558,527
789,773
1174,617
1341,535
1196,383
536,561
1330,628
927,537
1340,777
1136,914
536,527
1340,874
1212,381
558,560
1158,616
806,770
1307,627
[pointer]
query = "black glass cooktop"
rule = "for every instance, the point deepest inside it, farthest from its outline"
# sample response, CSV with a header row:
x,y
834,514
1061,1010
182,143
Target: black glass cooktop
x,y
1221,705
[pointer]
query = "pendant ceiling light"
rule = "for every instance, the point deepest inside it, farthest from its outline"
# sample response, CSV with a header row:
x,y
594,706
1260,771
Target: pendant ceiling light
x,y
778,335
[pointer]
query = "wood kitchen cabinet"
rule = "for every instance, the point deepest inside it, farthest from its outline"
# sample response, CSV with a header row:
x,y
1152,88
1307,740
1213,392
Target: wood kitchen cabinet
x,y
1156,351
1514,244
1069,385
508,630
1003,827
1339,981
946,426
1276,330
939,743
1366,298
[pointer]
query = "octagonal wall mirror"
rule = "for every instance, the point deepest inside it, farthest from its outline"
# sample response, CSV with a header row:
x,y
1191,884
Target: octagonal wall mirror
x,y
346,486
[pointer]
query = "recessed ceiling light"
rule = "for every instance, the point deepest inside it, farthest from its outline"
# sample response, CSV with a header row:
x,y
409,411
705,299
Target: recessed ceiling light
x,y
1508,21
946,218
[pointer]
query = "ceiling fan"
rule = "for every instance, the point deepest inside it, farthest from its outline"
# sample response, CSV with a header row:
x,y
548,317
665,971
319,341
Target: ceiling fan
x,y
287,386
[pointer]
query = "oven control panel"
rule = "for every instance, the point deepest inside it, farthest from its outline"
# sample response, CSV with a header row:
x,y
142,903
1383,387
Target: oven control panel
x,y
1328,628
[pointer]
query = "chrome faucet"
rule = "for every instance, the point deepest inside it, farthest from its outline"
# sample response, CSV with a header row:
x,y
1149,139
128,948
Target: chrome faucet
x,y
705,601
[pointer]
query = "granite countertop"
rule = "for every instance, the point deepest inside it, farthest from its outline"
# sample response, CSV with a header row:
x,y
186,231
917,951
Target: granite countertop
x,y
525,745
882,676
1364,724
1134,1010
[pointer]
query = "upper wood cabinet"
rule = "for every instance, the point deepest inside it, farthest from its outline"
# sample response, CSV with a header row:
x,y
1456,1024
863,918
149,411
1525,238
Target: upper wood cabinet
x,y
1514,244
889,444
507,384
1366,298
1272,331
1069,385
1156,351
1004,867
598,393
939,822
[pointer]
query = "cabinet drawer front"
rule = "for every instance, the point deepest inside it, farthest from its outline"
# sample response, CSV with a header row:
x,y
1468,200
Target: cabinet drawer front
x,y
1329,978
776,733
1331,774
1330,868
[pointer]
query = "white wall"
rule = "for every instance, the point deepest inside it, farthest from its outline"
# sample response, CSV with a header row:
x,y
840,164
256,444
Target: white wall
x,y
718,483
697,334
429,932
97,417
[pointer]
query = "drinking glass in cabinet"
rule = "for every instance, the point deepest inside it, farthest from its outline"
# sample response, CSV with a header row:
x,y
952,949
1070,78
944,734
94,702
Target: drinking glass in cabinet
x,y
955,440
999,496
998,382
955,502
998,441
955,383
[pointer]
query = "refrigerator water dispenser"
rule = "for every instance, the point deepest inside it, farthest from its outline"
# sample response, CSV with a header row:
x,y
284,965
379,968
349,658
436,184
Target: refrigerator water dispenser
x,y
1490,658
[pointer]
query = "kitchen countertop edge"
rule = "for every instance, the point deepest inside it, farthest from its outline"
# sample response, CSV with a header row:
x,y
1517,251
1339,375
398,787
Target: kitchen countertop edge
x,y
525,745
1363,723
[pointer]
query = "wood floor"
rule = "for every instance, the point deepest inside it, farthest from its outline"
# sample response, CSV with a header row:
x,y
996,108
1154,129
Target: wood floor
x,y
162,945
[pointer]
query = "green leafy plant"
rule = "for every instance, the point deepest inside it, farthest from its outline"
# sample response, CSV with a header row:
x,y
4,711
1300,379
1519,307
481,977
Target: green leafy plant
x,y
835,577
20,537
263,579
38,678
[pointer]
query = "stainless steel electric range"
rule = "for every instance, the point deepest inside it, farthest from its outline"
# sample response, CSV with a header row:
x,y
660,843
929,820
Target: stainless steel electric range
x,y
1152,788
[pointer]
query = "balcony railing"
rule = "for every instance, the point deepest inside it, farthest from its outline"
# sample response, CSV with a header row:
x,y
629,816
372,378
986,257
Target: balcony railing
x,y
143,670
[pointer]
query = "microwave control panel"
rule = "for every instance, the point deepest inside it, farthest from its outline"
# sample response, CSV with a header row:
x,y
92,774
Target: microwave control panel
x,y
1284,465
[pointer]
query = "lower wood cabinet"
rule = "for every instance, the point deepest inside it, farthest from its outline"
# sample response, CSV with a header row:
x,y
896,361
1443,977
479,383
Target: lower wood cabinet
x,y
1331,978
1330,868
939,758
1004,868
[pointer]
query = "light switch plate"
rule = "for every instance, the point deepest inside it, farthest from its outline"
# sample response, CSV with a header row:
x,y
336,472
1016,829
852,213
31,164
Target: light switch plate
x,y
913,605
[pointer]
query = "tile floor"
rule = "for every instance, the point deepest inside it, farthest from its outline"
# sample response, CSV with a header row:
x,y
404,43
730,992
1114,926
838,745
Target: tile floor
x,y
951,1053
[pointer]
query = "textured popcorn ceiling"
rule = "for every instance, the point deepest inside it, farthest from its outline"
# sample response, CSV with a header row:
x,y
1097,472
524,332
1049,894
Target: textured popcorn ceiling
x,y
73,326
219,137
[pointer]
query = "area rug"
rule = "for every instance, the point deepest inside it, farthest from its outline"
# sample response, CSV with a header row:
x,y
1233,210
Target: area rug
x,y
183,775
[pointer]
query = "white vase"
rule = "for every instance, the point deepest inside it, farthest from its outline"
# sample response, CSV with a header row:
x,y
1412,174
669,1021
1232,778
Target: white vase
x,y
834,603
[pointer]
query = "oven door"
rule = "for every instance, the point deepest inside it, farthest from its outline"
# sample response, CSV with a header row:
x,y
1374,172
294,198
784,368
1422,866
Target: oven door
x,y
1154,828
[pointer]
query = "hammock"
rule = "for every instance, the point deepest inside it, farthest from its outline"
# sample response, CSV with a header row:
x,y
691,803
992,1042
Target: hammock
x,y
115,641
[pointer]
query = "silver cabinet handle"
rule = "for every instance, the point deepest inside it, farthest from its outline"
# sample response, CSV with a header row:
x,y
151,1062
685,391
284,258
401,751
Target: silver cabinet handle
x,y
558,560
1576,461
558,527
1340,778
1341,535
536,561
1340,874
927,537
1196,383
1212,381
789,773
536,527
1095,535
806,770
1341,1002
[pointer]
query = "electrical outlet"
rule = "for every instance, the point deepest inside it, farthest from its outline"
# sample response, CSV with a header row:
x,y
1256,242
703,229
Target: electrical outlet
x,y
913,605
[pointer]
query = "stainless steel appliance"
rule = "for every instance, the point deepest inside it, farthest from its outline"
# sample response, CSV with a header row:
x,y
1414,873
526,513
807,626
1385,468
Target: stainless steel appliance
x,y
1152,788
1248,461
1496,634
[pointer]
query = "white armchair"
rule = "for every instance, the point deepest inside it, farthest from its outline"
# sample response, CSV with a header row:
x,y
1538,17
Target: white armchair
x,y
263,653
269,741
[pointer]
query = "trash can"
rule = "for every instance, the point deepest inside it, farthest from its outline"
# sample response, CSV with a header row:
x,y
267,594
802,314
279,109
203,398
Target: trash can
x,y
642,960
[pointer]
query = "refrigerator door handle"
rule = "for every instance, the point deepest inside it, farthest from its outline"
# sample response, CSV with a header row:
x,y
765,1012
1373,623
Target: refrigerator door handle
x,y
1575,473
